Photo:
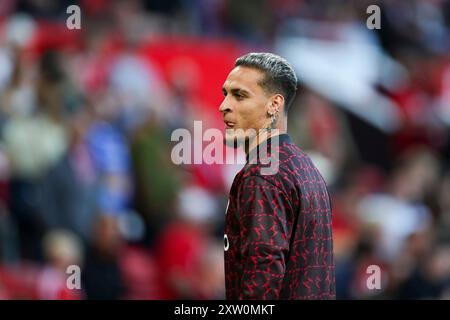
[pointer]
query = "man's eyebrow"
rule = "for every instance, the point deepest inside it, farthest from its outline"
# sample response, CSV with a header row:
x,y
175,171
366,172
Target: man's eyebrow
x,y
240,91
236,91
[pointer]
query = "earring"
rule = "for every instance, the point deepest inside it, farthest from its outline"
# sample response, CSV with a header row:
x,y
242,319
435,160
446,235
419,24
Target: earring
x,y
274,118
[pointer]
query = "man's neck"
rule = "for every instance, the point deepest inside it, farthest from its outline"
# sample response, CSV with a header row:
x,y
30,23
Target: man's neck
x,y
260,137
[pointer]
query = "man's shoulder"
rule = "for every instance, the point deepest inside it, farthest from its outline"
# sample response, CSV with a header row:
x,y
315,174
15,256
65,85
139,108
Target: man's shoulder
x,y
279,161
291,166
257,174
277,175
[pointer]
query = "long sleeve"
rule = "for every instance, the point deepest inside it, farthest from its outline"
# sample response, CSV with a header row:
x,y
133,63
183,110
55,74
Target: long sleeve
x,y
264,211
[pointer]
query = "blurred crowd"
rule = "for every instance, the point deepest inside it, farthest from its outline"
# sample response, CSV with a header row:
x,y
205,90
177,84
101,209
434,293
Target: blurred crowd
x,y
86,117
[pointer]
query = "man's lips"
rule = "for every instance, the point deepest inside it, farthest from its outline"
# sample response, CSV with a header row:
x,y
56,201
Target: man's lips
x,y
229,124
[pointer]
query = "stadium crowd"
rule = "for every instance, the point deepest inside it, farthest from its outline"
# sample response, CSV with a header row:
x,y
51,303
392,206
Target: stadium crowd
x,y
86,116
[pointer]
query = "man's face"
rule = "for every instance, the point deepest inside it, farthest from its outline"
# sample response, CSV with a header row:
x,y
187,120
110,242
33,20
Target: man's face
x,y
245,104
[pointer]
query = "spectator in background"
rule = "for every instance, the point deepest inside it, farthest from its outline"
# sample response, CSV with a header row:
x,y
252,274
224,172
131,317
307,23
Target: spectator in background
x,y
188,266
62,249
401,211
158,181
443,200
429,276
34,142
9,252
102,278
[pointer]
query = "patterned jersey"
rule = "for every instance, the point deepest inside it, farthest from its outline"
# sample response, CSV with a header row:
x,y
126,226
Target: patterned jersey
x,y
278,237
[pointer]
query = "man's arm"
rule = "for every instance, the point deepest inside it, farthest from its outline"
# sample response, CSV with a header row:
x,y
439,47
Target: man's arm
x,y
264,233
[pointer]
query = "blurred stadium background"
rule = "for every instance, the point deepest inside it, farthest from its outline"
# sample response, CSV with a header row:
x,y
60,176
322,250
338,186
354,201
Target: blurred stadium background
x,y
86,116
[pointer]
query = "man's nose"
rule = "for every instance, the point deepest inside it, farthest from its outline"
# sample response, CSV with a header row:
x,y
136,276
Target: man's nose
x,y
224,107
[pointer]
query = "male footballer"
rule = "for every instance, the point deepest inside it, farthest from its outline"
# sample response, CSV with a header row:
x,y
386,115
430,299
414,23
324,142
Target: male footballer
x,y
278,237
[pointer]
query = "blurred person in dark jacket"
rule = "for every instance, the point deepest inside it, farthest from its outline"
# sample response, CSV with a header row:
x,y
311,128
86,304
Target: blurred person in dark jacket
x,y
101,275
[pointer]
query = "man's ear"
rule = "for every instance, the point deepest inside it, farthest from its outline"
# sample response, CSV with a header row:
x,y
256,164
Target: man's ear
x,y
276,105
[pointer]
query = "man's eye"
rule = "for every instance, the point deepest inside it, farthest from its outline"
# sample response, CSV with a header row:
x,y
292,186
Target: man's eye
x,y
239,97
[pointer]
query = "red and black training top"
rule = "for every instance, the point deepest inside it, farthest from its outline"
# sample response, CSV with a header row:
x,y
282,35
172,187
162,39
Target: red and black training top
x,y
278,236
